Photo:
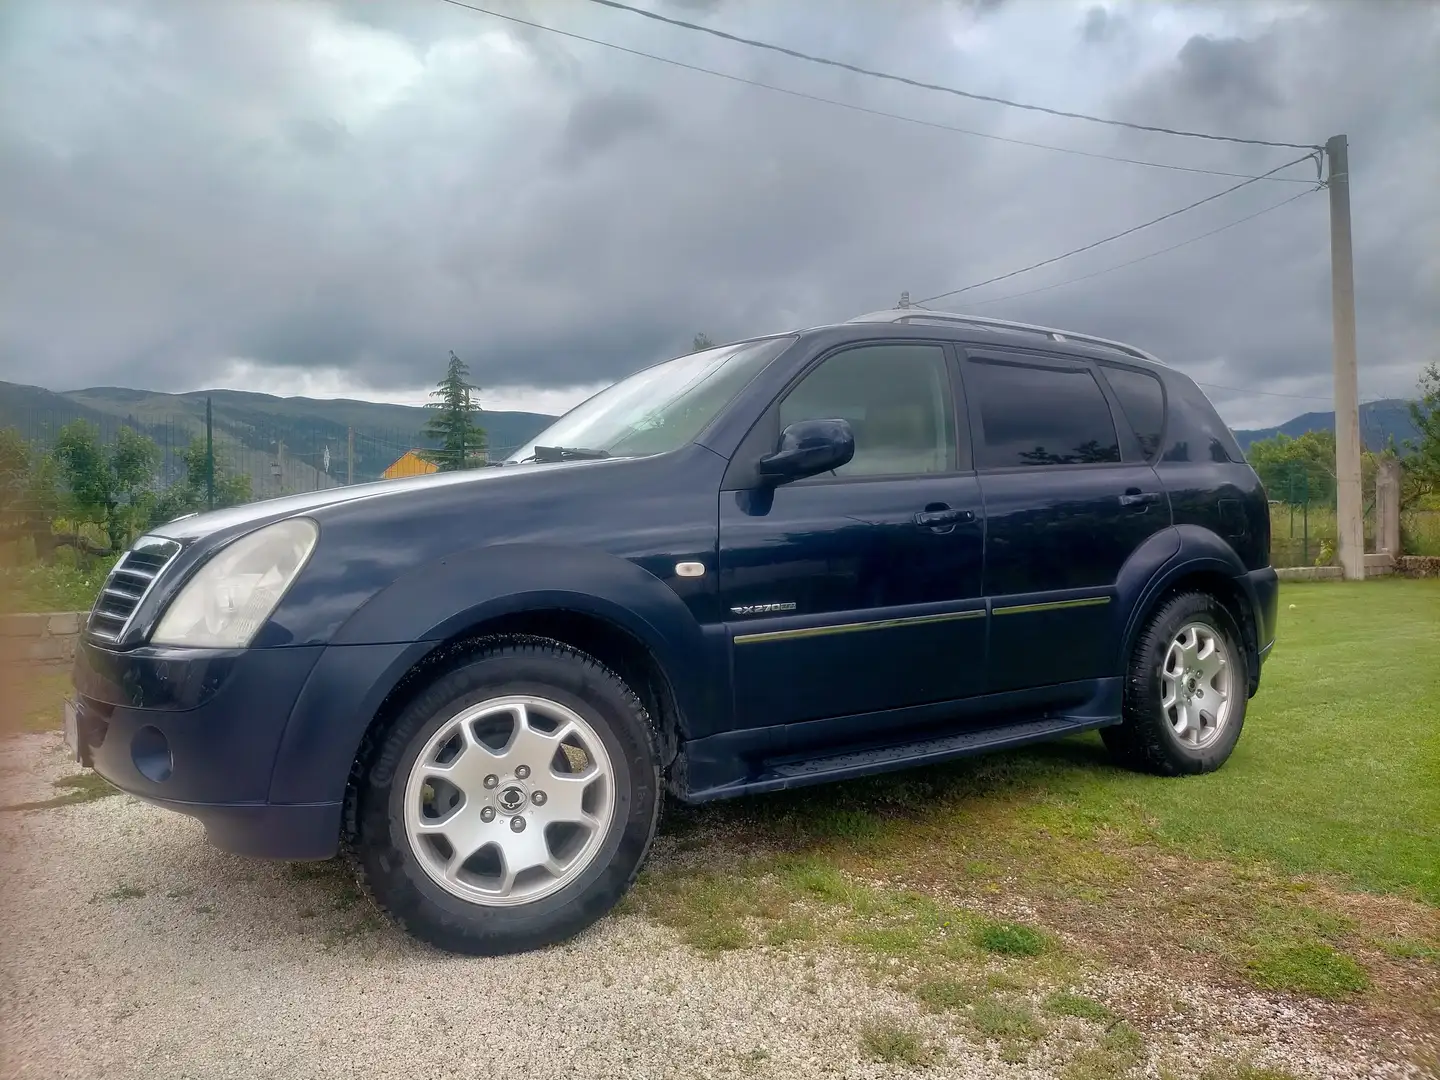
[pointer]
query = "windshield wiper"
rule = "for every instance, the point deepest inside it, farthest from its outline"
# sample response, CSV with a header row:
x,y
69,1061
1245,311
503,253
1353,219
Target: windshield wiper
x,y
563,453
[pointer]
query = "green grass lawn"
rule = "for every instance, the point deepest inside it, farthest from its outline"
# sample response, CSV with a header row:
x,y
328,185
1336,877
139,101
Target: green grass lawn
x,y
1337,772
1308,865
66,585
1338,769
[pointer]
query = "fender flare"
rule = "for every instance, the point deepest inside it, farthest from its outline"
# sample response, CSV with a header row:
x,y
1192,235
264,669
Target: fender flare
x,y
1195,550
443,599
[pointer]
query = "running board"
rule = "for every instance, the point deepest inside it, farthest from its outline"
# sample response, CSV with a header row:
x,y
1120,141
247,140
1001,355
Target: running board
x,y
781,775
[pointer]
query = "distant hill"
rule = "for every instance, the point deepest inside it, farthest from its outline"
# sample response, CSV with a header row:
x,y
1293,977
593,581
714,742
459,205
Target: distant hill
x,y
1379,421
254,433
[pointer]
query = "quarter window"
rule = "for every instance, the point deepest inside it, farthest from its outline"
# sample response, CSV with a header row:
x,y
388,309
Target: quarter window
x,y
897,401
1038,416
1143,402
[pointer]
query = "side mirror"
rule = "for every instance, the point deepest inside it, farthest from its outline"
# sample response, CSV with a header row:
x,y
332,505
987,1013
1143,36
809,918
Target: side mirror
x,y
807,448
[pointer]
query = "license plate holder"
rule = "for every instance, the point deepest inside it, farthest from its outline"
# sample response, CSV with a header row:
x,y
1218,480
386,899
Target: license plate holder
x,y
72,729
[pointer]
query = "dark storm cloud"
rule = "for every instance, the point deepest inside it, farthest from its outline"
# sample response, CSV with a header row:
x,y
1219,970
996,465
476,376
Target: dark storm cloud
x,y
366,186
1232,73
597,123
1099,25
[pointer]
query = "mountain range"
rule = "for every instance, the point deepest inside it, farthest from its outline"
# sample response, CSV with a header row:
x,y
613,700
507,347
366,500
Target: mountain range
x,y
281,442
1380,421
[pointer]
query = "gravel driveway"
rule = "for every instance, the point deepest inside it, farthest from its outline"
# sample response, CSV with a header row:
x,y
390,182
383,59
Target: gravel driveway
x,y
133,949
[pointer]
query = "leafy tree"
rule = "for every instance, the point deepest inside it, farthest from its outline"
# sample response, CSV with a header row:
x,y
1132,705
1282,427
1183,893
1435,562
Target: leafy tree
x,y
1422,466
191,496
29,491
702,341
461,439
107,485
1301,469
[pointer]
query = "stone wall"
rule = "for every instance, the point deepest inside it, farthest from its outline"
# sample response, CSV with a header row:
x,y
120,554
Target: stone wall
x,y
46,637
1418,566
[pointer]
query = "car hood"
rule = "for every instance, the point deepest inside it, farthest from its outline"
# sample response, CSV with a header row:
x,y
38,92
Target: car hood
x,y
251,515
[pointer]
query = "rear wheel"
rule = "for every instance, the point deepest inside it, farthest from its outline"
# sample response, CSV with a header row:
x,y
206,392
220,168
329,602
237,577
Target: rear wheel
x,y
511,803
1185,690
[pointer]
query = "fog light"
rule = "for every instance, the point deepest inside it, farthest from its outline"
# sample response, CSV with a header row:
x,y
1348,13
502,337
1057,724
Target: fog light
x,y
150,751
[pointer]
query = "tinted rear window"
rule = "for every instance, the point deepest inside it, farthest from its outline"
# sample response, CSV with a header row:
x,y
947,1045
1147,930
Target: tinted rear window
x,y
1033,415
1143,401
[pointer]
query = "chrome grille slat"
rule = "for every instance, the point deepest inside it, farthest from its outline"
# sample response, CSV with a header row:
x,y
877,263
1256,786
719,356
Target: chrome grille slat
x,y
126,587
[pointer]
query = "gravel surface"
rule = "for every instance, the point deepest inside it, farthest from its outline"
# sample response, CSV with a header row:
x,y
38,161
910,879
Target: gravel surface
x,y
133,949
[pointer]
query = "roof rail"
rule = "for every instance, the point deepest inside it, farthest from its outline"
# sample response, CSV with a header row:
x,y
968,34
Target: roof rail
x,y
922,315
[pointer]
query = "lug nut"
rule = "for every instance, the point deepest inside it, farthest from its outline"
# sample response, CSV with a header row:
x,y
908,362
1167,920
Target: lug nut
x,y
538,798
522,771
491,780
487,813
517,824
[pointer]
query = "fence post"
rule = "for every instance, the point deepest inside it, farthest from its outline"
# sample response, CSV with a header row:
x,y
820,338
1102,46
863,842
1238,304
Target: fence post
x,y
209,457
1305,514
1387,506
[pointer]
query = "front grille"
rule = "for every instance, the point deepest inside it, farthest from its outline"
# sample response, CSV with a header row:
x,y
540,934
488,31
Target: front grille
x,y
127,585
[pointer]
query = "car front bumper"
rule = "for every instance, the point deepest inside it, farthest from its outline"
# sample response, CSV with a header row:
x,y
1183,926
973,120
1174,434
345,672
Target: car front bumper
x,y
231,737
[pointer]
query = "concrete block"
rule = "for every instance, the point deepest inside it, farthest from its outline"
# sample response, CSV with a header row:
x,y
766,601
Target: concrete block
x,y
23,625
1310,573
66,622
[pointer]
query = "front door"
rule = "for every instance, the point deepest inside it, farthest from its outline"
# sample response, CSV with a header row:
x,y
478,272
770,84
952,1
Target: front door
x,y
1069,496
860,590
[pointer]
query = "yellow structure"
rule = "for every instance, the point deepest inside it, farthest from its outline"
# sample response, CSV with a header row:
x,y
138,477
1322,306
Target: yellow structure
x,y
408,464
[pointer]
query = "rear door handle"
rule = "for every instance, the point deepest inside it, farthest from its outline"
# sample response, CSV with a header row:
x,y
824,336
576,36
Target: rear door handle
x,y
929,519
1136,497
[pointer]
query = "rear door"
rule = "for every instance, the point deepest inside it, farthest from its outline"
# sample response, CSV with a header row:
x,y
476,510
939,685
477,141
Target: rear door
x,y
1069,495
860,590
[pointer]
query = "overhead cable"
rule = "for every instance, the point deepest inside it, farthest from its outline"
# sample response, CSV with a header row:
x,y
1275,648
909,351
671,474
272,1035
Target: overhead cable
x,y
852,107
1151,255
1114,236
829,62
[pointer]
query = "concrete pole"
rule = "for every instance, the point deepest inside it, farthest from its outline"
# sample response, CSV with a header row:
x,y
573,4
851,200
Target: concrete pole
x,y
1349,505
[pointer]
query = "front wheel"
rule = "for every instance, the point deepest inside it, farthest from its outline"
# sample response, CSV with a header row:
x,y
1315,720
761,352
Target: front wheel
x,y
1185,690
511,803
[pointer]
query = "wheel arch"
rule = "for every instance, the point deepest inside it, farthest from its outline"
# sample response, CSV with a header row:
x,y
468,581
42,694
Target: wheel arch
x,y
1202,562
603,605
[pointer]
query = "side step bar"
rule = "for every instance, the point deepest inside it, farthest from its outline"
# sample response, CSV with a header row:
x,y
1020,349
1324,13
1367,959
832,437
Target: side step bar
x,y
782,774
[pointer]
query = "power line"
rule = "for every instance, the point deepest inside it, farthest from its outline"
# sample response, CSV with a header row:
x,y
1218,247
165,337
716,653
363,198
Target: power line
x,y
1151,255
1264,393
803,95
1114,236
828,62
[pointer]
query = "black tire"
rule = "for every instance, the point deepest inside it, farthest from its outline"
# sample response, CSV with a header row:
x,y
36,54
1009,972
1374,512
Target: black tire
x,y
376,841
1145,739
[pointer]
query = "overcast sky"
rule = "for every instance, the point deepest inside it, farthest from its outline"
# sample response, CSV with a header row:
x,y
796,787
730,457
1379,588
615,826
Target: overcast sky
x,y
309,197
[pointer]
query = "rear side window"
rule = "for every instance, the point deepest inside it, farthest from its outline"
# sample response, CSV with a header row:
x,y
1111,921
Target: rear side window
x,y
1033,415
1143,402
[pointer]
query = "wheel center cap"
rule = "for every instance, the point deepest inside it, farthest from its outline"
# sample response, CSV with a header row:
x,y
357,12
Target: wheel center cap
x,y
511,798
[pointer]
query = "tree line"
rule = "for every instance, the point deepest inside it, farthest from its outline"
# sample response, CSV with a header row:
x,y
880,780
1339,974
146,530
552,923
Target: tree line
x,y
1302,468
81,481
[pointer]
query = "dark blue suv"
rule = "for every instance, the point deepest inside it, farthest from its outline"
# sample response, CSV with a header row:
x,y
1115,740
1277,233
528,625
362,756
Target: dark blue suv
x,y
797,558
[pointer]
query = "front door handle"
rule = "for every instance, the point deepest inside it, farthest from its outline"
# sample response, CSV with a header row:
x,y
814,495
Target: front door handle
x,y
929,519
1136,497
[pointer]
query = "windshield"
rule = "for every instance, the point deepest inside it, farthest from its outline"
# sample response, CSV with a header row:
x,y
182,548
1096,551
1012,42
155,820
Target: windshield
x,y
660,408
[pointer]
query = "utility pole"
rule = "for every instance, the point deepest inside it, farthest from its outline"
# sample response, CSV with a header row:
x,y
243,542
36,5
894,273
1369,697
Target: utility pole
x,y
1349,504
350,456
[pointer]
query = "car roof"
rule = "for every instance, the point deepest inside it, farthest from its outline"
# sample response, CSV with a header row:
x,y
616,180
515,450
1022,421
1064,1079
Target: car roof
x,y
1004,329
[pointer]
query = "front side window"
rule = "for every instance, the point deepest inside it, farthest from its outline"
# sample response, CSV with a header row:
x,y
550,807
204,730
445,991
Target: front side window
x,y
660,408
1036,416
896,399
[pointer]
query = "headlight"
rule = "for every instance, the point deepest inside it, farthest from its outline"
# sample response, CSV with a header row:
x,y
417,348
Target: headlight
x,y
229,599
